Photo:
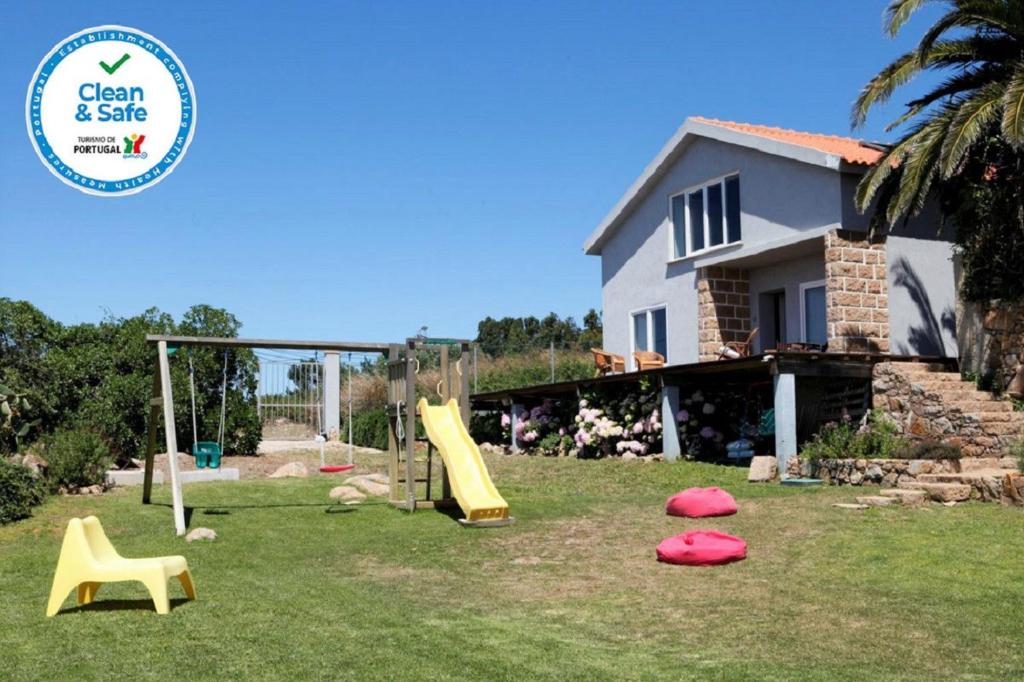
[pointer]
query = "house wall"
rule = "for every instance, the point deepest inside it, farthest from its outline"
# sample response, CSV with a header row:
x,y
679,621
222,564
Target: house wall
x,y
920,277
786,276
779,198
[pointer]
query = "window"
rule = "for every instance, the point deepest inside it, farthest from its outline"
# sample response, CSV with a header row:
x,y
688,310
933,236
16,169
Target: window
x,y
812,312
706,217
650,331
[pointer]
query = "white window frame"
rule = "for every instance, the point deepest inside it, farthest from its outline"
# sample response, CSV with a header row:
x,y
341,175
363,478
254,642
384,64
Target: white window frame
x,y
703,187
649,319
804,286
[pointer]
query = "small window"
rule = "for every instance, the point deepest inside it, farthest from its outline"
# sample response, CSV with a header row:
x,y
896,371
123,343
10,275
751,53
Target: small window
x,y
650,331
706,217
813,312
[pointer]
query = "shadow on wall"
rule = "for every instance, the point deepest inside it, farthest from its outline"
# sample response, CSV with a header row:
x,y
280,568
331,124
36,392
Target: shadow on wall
x,y
926,339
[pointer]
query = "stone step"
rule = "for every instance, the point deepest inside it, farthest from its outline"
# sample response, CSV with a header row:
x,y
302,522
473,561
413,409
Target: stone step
x,y
1008,428
958,394
940,492
930,367
979,463
905,496
979,406
969,477
945,378
875,500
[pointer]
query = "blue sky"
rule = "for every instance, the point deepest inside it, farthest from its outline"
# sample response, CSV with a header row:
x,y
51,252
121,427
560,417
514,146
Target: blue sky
x,y
359,170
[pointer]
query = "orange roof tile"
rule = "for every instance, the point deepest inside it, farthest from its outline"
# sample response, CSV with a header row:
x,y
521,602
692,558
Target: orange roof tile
x,y
848,148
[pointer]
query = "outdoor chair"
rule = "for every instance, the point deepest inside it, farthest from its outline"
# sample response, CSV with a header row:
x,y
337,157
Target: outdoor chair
x,y
87,560
646,359
738,349
608,363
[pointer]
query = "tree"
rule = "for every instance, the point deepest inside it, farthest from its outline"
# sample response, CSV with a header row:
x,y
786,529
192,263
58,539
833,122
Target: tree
x,y
979,47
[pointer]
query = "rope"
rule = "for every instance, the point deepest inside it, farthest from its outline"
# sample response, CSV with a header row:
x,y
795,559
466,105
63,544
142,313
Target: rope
x,y
398,422
192,393
223,402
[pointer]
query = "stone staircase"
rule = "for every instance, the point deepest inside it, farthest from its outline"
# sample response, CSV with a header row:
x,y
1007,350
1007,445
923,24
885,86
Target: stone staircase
x,y
931,402
979,478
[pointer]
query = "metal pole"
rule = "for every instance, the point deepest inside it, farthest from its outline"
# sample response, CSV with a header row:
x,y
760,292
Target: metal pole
x,y
552,354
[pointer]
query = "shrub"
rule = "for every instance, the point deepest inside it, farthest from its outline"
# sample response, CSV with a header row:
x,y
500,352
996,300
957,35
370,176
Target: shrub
x,y
877,438
370,429
20,490
1017,450
76,458
930,450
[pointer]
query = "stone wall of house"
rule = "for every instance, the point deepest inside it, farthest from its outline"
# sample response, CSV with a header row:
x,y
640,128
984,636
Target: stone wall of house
x,y
927,402
991,340
723,308
856,293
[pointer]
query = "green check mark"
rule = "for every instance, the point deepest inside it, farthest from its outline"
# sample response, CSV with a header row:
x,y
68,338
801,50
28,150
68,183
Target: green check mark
x,y
117,65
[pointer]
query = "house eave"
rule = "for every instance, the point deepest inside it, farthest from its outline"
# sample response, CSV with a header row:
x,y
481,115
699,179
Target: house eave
x,y
690,130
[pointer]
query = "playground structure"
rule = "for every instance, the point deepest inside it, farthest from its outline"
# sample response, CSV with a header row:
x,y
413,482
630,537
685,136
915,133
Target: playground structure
x,y
446,427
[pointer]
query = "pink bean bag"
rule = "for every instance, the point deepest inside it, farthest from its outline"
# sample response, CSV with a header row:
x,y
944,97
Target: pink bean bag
x,y
700,502
701,548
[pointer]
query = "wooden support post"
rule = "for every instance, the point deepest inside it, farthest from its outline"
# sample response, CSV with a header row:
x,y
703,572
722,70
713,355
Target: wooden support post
x,y
151,427
672,446
171,438
515,413
395,394
331,422
785,420
410,425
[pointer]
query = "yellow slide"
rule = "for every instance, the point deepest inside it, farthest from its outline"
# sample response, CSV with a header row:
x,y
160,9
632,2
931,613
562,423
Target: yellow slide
x,y
471,484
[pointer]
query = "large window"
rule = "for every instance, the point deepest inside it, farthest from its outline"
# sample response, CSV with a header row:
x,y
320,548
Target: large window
x,y
706,217
650,331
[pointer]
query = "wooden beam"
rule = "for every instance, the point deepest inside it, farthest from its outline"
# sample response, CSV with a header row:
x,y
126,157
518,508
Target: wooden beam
x,y
284,344
171,438
154,414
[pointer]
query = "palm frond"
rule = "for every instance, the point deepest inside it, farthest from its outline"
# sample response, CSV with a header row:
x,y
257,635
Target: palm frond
x,y
973,116
880,88
1013,107
899,12
960,83
919,169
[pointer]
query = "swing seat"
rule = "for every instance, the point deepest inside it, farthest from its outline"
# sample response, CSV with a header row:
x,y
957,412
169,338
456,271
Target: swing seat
x,y
207,454
336,468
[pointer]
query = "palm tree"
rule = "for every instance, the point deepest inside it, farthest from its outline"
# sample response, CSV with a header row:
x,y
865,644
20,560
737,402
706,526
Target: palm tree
x,y
979,46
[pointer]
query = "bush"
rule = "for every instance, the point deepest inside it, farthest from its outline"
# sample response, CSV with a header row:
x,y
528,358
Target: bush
x,y
76,458
930,450
1017,450
20,490
877,438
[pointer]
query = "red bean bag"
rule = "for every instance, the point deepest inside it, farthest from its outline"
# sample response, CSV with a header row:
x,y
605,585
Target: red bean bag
x,y
700,502
701,548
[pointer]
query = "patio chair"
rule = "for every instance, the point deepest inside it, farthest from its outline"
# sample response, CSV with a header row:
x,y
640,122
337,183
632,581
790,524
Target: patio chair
x,y
607,363
738,349
646,359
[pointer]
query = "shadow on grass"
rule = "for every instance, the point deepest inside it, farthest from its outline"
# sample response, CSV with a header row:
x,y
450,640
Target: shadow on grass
x,y
121,605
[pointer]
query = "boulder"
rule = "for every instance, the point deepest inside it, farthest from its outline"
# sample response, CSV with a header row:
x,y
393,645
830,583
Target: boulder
x,y
762,469
370,486
91,490
346,493
873,472
942,492
905,496
849,505
201,534
291,470
37,465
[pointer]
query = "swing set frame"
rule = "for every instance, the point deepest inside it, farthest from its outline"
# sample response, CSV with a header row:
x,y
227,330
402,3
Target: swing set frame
x,y
403,367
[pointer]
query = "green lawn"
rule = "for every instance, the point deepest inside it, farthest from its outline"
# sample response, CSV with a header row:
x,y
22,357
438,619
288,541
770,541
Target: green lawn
x,y
297,589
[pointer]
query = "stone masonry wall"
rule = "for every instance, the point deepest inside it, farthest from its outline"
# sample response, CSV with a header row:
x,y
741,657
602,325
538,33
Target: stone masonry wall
x,y
723,308
856,293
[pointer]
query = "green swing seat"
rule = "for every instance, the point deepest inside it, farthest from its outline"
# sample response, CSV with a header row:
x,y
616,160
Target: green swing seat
x,y
207,454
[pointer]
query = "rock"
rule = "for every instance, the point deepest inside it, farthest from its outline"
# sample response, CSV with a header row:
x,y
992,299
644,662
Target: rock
x,y
905,496
37,465
875,500
91,490
369,485
378,478
890,479
847,505
291,470
856,478
920,466
762,469
346,493
628,455
1012,489
1008,463
201,534
873,472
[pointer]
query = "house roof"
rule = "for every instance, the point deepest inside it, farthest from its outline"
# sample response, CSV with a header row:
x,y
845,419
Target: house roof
x,y
851,150
830,151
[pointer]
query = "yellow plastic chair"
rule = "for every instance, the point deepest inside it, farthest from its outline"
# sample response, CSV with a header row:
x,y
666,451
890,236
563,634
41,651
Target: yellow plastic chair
x,y
87,560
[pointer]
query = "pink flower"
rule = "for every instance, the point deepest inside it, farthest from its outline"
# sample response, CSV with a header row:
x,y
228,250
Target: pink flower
x,y
506,420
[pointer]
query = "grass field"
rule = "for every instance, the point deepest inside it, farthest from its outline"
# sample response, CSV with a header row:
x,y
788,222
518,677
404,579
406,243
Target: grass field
x,y
297,589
